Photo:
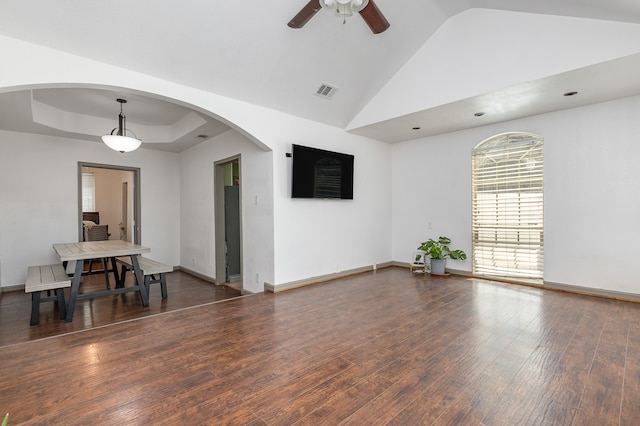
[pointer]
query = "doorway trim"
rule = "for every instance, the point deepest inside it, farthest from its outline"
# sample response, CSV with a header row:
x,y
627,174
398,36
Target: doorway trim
x,y
219,218
136,196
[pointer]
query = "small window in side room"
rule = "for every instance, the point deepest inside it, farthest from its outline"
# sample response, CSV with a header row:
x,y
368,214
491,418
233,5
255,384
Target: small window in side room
x,y
88,192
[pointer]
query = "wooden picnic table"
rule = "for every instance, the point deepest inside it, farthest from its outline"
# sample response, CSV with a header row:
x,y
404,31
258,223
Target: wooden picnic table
x,y
108,249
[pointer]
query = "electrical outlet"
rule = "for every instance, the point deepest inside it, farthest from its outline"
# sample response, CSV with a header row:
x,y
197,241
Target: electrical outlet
x,y
193,261
258,278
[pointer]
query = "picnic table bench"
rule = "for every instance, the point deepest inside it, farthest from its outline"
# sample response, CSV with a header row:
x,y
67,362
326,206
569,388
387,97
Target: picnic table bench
x,y
150,268
46,278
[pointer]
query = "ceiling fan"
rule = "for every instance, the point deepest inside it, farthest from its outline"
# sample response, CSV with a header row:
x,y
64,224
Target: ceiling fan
x,y
367,9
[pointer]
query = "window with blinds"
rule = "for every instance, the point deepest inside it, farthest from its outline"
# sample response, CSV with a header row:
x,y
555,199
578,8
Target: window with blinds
x,y
507,188
88,192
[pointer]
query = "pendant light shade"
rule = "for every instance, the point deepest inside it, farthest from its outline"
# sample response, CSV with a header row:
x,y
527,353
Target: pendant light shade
x,y
121,144
118,139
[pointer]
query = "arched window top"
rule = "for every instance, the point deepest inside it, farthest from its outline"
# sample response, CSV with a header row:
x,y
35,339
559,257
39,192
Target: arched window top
x,y
507,139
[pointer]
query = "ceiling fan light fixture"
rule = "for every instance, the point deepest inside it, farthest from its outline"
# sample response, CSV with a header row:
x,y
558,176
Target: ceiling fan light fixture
x,y
344,8
118,139
367,9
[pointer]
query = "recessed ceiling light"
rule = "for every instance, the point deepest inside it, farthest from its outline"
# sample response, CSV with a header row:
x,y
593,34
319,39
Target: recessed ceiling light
x,y
570,93
479,114
416,128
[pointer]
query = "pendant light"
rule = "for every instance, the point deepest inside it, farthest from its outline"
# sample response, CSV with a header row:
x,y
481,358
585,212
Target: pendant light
x,y
118,139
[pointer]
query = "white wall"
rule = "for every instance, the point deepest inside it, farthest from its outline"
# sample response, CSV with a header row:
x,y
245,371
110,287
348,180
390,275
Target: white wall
x,y
286,240
361,226
39,198
592,203
197,203
319,237
590,184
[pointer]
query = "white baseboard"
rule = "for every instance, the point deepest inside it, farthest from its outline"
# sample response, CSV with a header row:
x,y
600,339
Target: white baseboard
x,y
206,278
8,288
588,291
549,285
196,274
322,278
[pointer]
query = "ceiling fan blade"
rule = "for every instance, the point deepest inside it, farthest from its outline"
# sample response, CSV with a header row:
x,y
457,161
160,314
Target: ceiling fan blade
x,y
305,14
374,18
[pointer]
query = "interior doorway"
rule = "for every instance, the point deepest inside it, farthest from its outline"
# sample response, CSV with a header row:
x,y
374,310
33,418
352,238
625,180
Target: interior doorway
x,y
109,196
228,222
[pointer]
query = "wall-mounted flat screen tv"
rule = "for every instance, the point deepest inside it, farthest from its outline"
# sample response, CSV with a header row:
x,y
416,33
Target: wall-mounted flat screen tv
x,y
321,174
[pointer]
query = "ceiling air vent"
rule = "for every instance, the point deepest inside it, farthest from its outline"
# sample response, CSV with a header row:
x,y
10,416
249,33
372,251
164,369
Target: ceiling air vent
x,y
326,91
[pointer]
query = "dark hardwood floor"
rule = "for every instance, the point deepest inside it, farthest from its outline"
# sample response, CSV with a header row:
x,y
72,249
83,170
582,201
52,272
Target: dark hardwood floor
x,y
384,347
183,291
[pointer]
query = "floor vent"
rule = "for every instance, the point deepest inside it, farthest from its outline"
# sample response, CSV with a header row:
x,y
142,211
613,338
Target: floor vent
x,y
326,91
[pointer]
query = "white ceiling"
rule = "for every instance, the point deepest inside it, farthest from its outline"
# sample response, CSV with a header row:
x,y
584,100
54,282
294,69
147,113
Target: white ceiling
x,y
96,112
244,50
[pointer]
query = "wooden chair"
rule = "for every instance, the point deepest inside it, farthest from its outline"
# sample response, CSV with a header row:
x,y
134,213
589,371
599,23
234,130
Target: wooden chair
x,y
99,233
96,233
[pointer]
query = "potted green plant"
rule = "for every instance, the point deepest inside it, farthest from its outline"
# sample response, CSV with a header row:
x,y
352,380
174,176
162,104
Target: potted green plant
x,y
439,251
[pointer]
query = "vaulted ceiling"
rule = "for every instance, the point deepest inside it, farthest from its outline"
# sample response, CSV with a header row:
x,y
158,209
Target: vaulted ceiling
x,y
244,50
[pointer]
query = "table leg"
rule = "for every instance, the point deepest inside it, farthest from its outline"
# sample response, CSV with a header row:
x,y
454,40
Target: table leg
x,y
122,277
62,307
105,261
75,285
140,279
163,285
35,308
114,268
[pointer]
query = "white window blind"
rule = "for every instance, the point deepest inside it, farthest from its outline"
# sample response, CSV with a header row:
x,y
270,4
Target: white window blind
x,y
88,192
508,206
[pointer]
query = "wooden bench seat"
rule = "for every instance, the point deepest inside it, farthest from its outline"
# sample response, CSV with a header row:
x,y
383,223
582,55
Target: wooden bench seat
x,y
150,268
46,278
